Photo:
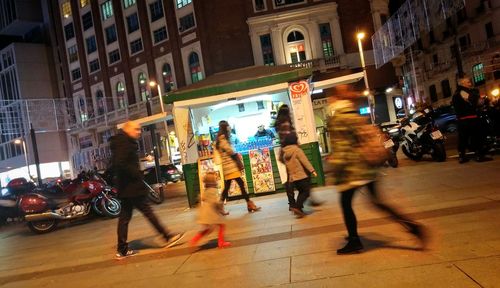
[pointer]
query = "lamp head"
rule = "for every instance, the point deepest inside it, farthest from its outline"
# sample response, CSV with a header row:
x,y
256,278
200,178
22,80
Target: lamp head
x,y
360,35
152,84
18,141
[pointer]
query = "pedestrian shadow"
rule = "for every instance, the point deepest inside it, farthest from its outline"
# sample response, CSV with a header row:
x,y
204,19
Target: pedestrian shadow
x,y
212,244
374,241
150,242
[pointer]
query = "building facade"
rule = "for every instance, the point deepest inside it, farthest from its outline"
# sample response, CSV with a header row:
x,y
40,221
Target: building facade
x,y
29,94
476,31
110,50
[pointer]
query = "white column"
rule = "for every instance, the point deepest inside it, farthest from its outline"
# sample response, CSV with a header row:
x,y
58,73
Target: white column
x,y
337,35
278,46
257,50
314,40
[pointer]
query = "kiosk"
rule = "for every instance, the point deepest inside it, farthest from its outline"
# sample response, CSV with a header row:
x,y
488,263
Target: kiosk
x,y
248,99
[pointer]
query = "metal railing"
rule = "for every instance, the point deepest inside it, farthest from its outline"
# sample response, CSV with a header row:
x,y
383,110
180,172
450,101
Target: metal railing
x,y
319,64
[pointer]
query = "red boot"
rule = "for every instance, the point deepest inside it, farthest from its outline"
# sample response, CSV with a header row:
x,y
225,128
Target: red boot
x,y
197,237
221,242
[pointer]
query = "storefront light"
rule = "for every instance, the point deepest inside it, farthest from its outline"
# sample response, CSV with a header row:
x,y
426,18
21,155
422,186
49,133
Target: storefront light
x,y
495,92
317,91
389,90
366,92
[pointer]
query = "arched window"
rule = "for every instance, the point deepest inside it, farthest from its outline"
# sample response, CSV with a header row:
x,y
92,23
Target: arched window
x,y
168,79
296,46
82,109
120,95
195,68
143,89
101,102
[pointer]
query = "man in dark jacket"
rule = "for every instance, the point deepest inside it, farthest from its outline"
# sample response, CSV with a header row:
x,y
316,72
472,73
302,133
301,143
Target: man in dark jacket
x,y
131,188
465,101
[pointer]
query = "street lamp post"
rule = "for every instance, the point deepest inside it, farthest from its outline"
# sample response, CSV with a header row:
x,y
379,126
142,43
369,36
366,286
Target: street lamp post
x,y
360,36
152,84
23,142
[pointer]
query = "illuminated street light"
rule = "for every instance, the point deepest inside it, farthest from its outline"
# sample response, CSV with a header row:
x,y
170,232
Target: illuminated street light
x,y
152,84
495,92
19,142
371,103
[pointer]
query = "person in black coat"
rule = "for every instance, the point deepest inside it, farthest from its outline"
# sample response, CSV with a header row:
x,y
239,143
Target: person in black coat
x,y
465,101
131,188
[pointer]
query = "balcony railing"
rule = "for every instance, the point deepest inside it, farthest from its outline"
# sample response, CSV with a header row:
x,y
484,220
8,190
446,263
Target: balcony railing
x,y
319,64
116,116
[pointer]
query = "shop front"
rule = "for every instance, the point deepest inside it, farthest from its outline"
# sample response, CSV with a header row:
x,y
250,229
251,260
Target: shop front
x,y
250,105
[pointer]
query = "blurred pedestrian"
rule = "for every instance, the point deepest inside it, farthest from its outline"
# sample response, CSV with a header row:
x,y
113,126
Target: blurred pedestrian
x,y
210,211
351,171
284,126
465,101
232,165
132,190
299,171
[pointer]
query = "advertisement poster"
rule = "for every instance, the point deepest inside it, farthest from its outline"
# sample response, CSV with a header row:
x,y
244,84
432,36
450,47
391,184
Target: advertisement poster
x,y
205,165
262,170
302,111
235,188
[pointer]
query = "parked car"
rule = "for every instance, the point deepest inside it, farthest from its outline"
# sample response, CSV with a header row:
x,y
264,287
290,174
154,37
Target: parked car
x,y
445,119
168,173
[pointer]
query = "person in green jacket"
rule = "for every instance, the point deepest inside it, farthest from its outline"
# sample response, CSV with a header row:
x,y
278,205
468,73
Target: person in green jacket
x,y
351,172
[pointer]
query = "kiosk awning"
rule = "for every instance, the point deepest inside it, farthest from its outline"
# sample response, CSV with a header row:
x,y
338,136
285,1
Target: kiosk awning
x,y
153,119
346,79
249,78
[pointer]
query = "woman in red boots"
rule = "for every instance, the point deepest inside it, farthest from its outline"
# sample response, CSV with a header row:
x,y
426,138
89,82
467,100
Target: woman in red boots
x,y
210,211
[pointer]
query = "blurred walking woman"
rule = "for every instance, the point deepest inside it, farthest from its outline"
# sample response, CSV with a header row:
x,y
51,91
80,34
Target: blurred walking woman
x,y
351,172
231,165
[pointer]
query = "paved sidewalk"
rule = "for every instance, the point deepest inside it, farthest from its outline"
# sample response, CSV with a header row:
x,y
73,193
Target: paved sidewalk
x,y
460,205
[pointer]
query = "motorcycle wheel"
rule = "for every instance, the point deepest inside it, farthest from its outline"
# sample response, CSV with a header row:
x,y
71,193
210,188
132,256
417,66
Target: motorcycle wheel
x,y
408,154
439,153
96,207
156,196
111,207
43,226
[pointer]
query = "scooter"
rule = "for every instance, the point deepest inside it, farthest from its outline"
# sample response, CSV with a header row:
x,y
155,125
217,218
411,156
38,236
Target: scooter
x,y
43,209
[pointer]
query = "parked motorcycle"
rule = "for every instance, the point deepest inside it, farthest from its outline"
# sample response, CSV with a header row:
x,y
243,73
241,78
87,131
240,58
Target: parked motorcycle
x,y
44,208
10,197
421,136
392,136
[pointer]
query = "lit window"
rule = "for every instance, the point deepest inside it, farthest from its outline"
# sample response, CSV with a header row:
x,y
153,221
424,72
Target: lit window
x,y
120,94
128,3
143,91
195,68
182,3
72,54
84,3
168,79
478,74
296,47
326,40
267,49
101,103
107,10
66,9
